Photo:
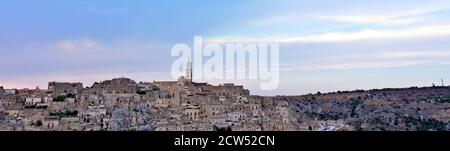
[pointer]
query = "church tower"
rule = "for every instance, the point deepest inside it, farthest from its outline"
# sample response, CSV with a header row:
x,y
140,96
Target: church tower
x,y
189,70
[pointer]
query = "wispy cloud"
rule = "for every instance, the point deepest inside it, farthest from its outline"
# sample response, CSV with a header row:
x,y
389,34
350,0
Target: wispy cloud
x,y
357,65
416,54
273,20
392,18
92,47
78,44
369,34
375,60
383,20
395,18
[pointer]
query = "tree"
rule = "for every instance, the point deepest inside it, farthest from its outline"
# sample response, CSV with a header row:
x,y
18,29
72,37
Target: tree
x,y
38,123
144,120
70,95
60,98
121,119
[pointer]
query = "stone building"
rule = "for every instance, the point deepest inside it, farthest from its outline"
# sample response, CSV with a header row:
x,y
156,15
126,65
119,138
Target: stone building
x,y
115,86
13,109
146,86
2,90
10,91
63,88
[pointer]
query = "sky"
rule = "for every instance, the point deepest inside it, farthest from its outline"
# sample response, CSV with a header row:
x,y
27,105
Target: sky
x,y
325,45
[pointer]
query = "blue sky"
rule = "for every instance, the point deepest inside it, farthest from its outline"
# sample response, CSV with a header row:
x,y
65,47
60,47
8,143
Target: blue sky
x,y
326,45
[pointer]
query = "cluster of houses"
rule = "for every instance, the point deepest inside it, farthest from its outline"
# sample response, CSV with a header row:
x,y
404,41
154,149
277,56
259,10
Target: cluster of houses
x,y
123,104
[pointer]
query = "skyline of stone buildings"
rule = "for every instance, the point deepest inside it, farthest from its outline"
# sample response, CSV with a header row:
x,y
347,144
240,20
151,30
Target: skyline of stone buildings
x,y
122,104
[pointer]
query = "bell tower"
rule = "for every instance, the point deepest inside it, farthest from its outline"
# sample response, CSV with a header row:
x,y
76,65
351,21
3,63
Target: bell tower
x,y
189,70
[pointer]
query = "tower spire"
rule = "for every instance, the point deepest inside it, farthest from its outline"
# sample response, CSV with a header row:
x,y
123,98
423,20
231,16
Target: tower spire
x,y
189,69
442,81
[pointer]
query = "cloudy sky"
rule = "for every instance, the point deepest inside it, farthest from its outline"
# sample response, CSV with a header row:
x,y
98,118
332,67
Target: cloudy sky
x,y
325,45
